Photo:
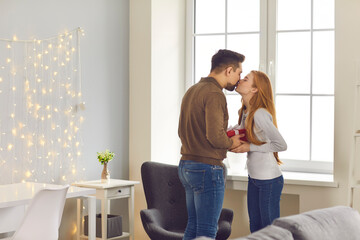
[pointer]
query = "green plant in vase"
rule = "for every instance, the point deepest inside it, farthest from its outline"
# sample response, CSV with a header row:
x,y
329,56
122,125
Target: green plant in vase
x,y
104,158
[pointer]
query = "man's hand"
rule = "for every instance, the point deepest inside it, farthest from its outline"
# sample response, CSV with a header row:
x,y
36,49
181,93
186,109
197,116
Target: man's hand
x,y
242,148
236,141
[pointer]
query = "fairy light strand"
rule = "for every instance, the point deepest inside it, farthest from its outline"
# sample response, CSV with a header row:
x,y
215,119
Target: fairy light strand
x,y
40,132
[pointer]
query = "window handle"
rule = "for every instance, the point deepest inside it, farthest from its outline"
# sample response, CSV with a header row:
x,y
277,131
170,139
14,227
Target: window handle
x,y
271,68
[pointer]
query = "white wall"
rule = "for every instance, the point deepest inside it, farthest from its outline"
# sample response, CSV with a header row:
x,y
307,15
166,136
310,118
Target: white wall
x,y
157,48
105,71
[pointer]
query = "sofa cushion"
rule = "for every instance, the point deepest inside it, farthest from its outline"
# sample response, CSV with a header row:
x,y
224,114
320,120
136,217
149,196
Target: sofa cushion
x,y
330,223
269,233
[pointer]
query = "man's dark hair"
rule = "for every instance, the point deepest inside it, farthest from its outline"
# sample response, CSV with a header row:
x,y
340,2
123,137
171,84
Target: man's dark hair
x,y
226,58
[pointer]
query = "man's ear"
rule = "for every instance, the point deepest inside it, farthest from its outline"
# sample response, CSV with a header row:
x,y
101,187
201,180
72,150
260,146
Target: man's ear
x,y
228,70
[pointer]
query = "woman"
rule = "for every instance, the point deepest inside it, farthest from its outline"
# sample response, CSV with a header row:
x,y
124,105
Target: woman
x,y
258,117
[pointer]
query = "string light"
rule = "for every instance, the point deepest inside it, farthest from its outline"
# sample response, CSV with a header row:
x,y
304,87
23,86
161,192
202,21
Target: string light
x,y
44,123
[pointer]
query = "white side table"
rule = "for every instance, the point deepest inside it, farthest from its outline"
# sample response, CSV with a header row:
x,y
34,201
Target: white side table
x,y
105,191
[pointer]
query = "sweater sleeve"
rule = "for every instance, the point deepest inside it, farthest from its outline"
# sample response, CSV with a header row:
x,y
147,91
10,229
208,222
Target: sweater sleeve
x,y
215,111
263,121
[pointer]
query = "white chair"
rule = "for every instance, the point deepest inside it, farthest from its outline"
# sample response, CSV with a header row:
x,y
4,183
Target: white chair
x,y
43,215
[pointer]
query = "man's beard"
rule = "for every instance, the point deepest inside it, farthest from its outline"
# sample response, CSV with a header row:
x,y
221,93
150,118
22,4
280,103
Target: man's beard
x,y
230,87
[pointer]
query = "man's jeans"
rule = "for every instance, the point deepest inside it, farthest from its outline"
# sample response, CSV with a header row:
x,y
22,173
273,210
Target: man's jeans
x,y
204,186
263,199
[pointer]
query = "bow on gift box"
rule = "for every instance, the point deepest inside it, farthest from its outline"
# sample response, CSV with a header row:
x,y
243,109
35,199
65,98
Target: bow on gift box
x,y
232,131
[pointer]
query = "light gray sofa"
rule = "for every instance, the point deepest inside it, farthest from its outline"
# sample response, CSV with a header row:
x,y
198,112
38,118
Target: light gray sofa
x,y
335,223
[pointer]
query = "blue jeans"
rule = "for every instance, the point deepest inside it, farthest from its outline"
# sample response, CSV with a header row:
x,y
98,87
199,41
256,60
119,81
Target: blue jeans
x,y
204,187
263,199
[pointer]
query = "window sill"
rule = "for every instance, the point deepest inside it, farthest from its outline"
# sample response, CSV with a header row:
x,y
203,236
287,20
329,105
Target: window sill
x,y
238,180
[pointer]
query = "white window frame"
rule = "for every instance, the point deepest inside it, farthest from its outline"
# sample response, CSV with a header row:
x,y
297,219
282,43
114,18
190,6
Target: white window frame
x,y
267,63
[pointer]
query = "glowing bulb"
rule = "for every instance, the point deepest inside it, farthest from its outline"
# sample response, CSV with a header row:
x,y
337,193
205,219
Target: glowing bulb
x,y
8,60
39,55
55,73
13,131
1,79
27,174
8,46
73,49
49,163
9,147
14,38
55,58
73,171
46,67
13,88
78,153
77,144
43,91
50,45
12,115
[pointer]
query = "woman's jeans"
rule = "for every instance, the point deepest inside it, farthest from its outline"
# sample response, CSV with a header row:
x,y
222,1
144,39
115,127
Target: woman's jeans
x,y
263,199
204,187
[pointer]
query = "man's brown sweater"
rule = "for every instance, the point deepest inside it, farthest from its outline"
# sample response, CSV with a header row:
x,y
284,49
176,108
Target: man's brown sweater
x,y
203,122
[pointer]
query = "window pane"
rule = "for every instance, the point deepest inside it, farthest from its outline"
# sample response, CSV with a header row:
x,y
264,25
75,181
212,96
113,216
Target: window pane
x,y
234,104
205,48
293,14
293,63
209,16
323,62
323,129
247,44
324,14
243,15
293,118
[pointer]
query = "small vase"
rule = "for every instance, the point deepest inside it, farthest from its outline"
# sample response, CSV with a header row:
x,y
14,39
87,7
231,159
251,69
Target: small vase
x,y
105,175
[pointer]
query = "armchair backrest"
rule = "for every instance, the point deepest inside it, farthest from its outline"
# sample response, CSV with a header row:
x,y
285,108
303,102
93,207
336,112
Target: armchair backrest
x,y
164,191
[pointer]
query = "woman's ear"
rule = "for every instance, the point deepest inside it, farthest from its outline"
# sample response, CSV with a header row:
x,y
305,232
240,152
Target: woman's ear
x,y
254,90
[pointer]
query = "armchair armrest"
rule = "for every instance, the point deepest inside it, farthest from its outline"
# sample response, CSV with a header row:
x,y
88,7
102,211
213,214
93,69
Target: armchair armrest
x,y
154,225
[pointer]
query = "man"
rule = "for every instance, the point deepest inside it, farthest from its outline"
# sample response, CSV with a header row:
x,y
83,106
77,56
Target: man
x,y
202,131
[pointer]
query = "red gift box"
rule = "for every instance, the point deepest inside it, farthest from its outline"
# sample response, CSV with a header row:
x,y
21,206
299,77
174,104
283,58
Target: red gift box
x,y
234,132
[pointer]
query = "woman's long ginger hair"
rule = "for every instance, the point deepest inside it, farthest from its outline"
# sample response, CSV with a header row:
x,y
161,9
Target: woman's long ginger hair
x,y
263,98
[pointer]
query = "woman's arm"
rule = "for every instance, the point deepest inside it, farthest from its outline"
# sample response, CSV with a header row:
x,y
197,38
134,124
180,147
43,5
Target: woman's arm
x,y
263,121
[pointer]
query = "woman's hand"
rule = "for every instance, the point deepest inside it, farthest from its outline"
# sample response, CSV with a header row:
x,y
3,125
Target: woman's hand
x,y
244,147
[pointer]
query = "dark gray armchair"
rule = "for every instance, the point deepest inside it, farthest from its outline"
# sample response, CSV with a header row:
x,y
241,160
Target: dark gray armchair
x,y
166,216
